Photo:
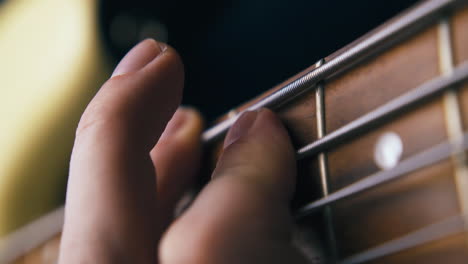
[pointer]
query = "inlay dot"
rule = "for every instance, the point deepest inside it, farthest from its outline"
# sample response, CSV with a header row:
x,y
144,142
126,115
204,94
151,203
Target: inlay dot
x,y
388,150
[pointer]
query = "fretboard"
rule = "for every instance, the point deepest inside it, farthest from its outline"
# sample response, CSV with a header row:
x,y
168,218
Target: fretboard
x,y
380,133
379,129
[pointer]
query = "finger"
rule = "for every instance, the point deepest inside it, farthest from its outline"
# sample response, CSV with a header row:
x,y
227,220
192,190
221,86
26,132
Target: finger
x,y
242,215
177,158
110,207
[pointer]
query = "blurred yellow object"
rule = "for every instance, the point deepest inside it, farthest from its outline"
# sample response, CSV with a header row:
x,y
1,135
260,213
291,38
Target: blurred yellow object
x,y
51,64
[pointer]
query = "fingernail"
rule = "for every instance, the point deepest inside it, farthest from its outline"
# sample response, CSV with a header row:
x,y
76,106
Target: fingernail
x,y
177,122
140,55
240,128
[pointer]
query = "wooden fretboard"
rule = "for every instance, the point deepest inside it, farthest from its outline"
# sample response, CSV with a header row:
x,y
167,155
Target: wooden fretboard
x,y
379,129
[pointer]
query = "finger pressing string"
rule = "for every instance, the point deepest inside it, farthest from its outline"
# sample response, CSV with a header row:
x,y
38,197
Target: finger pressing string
x,y
242,215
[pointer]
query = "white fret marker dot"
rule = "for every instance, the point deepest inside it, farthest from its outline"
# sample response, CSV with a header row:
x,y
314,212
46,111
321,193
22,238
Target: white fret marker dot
x,y
388,150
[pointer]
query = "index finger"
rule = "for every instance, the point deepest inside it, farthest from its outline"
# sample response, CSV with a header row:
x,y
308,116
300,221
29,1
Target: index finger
x,y
110,208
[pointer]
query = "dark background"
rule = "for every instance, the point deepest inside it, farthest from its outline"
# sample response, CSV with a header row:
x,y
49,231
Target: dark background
x,y
234,50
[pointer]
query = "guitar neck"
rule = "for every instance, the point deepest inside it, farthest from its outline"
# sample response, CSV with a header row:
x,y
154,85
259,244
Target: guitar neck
x,y
379,131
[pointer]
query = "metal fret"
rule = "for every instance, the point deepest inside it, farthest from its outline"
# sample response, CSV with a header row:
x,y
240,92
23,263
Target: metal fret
x,y
320,116
386,111
434,232
421,160
412,21
323,168
453,116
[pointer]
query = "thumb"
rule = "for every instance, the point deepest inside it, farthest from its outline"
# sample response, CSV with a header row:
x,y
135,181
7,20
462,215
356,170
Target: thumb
x,y
242,215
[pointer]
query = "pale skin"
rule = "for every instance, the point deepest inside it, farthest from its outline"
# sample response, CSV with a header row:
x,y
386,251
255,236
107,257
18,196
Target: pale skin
x,y
134,158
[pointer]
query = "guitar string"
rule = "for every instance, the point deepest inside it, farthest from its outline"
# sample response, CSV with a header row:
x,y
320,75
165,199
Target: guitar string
x,y
454,123
421,160
425,235
432,156
413,21
370,46
319,155
356,258
390,109
426,158
451,226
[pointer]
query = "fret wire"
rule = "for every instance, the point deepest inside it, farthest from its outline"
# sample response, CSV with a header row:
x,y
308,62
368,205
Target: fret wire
x,y
418,161
452,115
444,43
323,168
450,226
388,110
322,157
320,118
412,21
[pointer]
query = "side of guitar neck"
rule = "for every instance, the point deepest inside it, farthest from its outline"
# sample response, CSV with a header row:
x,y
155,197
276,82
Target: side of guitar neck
x,y
420,216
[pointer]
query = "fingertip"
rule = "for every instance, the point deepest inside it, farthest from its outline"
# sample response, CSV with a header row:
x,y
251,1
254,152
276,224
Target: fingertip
x,y
254,179
186,123
143,94
275,132
167,60
268,121
140,55
258,148
262,123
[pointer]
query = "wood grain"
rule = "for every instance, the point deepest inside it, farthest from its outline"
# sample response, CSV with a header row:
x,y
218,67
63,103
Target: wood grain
x,y
395,209
418,130
463,99
300,120
451,250
460,53
386,212
460,36
381,79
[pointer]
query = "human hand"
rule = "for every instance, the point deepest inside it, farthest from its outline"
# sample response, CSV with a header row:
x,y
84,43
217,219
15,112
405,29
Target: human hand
x,y
128,170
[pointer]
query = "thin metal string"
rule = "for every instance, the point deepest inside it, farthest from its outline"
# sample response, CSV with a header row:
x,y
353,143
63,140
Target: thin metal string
x,y
450,226
418,161
452,148
425,235
412,21
346,60
379,115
